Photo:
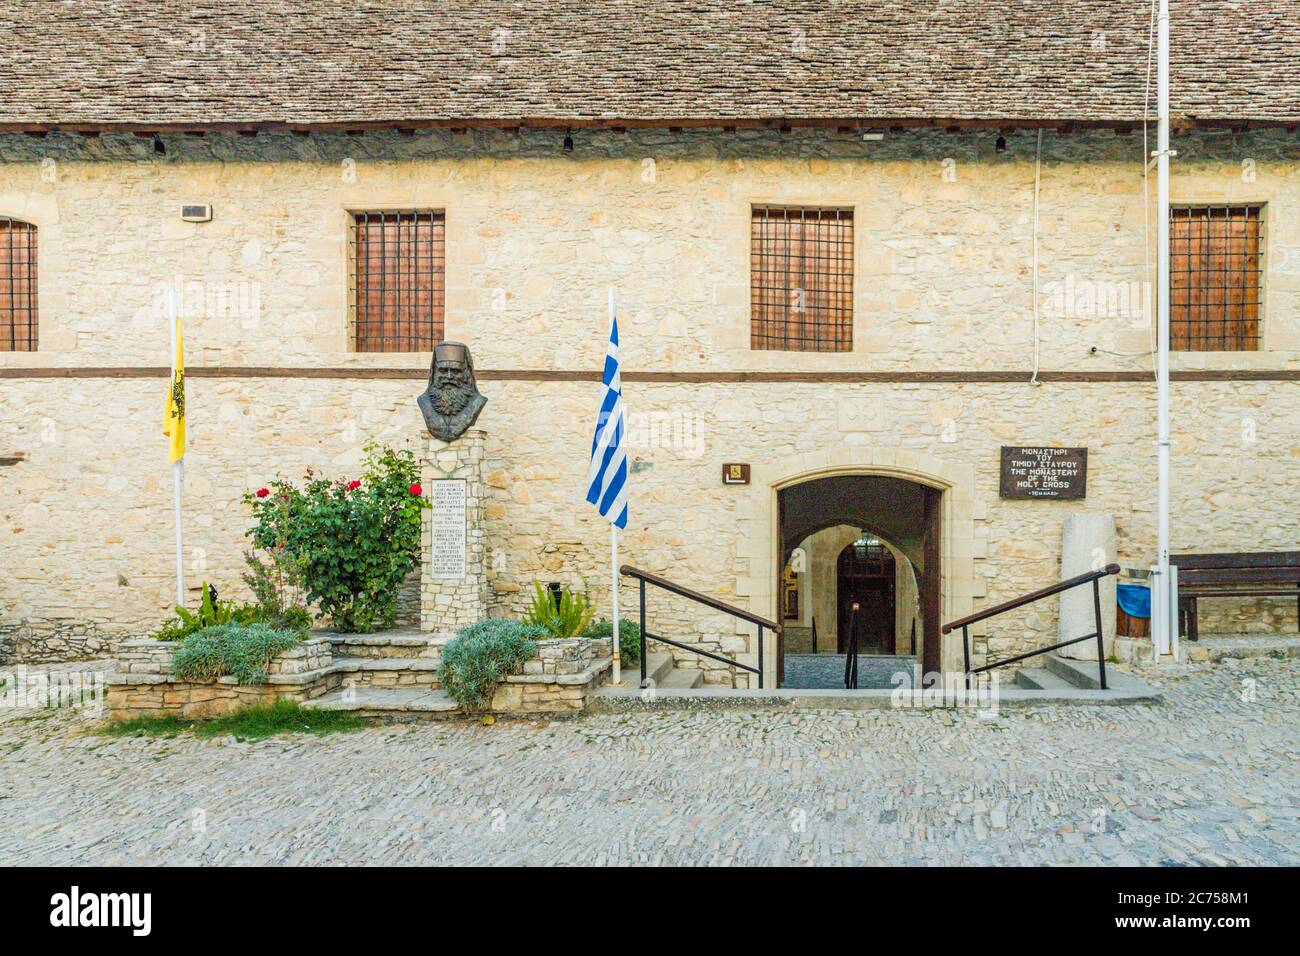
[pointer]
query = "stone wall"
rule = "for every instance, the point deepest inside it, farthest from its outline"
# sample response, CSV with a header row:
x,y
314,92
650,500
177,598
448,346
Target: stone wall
x,y
534,237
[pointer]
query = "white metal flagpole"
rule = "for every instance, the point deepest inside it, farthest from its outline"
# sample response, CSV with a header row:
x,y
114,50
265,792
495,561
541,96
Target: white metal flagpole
x,y
616,632
1167,620
178,467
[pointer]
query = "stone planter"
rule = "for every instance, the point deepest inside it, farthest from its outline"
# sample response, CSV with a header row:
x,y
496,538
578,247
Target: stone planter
x,y
143,684
558,680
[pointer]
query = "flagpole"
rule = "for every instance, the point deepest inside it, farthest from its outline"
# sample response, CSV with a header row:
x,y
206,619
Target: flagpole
x,y
1164,639
178,467
616,632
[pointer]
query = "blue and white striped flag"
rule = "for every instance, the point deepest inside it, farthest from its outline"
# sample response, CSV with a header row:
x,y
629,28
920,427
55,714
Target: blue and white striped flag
x,y
607,476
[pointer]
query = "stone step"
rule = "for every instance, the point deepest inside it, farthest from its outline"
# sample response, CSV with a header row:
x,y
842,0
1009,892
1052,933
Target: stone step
x,y
1084,674
396,702
404,643
681,678
1040,678
388,671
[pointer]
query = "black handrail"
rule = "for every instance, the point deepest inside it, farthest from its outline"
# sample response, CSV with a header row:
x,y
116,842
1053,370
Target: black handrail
x,y
1093,577
645,577
851,662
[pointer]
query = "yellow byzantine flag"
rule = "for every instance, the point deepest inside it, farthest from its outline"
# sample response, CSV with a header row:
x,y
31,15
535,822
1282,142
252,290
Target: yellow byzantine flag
x,y
174,415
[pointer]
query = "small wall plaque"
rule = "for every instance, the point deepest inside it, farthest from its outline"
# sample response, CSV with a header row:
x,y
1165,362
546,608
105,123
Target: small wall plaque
x,y
447,512
1030,471
735,473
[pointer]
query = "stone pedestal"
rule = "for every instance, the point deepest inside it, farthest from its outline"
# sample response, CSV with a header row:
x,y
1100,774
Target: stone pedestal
x,y
453,568
1087,544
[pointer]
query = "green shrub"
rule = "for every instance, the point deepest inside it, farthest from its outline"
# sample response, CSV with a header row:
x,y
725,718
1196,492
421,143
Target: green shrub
x,y
354,541
629,638
242,650
211,612
275,578
568,620
476,659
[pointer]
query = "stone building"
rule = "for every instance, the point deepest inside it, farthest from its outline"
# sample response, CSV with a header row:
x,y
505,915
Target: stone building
x,y
856,248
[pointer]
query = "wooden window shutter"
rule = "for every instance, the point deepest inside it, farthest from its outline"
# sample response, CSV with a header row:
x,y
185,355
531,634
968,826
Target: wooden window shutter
x,y
801,279
1215,273
398,281
18,307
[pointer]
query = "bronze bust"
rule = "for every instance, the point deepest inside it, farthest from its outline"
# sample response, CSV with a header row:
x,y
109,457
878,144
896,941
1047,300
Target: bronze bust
x,y
452,402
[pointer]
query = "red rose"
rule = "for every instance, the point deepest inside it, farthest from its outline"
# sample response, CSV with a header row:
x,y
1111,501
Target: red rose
x,y
262,492
416,490
353,485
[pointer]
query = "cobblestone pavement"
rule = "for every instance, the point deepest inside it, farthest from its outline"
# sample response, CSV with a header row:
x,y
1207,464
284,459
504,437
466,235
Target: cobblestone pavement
x,y
1210,777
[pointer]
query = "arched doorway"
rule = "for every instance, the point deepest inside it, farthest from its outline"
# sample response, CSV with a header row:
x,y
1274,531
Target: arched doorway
x,y
864,576
871,522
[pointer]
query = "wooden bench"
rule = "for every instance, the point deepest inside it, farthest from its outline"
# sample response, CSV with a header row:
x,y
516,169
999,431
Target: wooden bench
x,y
1254,574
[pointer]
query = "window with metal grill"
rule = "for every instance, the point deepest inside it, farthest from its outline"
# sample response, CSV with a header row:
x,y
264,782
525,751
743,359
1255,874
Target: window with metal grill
x,y
801,279
18,325
1215,255
398,288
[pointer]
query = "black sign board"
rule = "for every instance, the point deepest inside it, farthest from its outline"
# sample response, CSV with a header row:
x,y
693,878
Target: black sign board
x,y
1039,472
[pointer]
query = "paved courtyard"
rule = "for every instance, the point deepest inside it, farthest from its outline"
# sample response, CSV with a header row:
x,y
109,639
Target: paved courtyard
x,y
1211,777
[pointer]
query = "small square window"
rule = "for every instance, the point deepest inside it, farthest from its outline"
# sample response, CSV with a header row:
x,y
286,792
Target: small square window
x,y
18,313
801,279
1215,272
398,281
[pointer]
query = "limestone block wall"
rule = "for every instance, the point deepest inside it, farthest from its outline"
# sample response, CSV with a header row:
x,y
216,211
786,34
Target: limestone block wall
x,y
534,237
106,564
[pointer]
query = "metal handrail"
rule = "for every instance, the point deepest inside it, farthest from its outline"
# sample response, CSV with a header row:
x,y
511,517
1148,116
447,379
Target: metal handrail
x,y
1093,577
851,662
645,577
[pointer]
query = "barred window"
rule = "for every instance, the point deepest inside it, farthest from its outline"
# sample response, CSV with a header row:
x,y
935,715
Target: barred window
x,y
1214,278
397,280
801,279
18,326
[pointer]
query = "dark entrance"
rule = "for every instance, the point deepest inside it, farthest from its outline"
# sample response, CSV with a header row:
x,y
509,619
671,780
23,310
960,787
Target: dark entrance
x,y
864,575
905,513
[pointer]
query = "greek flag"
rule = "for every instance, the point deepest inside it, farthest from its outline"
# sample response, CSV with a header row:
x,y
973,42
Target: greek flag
x,y
607,476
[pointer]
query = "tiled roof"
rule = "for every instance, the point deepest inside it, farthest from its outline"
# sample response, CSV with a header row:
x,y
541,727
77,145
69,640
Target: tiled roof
x,y
145,63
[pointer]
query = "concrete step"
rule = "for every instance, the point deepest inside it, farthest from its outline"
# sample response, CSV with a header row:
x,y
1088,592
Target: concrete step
x,y
1040,678
395,702
1083,674
681,678
388,671
658,665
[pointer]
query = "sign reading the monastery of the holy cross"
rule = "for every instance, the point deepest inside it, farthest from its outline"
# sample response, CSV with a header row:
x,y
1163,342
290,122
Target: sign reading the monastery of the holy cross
x,y
1038,472
447,540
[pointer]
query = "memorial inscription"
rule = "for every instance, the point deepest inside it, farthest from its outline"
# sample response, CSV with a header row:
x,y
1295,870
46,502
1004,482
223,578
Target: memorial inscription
x,y
1041,472
447,502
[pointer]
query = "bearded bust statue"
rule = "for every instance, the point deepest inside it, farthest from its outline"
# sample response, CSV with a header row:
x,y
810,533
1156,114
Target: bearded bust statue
x,y
452,402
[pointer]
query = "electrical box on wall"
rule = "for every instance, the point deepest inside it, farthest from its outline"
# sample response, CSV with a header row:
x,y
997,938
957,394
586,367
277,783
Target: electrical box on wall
x,y
196,213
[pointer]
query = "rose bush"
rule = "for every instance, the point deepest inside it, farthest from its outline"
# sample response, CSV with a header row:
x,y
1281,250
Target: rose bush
x,y
354,541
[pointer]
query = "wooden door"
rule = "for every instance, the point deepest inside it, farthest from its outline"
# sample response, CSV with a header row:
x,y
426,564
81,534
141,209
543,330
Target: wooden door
x,y
932,581
865,576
